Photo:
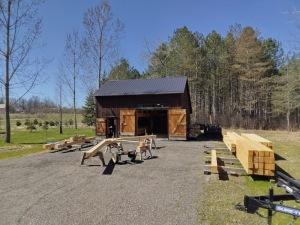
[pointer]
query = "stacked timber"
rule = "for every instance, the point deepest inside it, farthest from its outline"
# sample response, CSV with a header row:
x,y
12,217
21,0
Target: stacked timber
x,y
259,139
77,139
230,140
255,157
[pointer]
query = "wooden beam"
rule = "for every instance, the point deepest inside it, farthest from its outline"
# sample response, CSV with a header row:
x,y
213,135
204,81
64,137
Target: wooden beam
x,y
258,139
93,151
214,163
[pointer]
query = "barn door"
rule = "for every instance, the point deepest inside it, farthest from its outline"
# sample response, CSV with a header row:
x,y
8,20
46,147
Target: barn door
x,y
127,121
100,126
177,124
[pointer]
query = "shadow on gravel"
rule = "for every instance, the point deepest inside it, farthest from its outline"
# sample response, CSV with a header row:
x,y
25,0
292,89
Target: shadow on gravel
x,y
111,165
109,168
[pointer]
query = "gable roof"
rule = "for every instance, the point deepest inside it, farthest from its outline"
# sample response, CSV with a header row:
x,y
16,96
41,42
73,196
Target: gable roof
x,y
167,85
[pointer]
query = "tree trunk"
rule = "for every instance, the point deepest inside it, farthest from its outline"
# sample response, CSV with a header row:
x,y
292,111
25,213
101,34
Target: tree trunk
x,y
7,77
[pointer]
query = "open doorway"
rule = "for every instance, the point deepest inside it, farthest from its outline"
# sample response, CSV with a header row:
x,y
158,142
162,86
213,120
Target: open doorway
x,y
152,122
112,127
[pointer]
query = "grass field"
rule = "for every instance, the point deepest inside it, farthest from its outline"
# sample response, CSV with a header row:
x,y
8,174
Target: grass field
x,y
225,194
24,142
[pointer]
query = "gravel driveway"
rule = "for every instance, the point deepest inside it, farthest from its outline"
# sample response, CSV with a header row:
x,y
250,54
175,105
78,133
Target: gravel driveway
x,y
51,188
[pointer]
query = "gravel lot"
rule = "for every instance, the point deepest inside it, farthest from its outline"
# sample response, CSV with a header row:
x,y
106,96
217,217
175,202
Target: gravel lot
x,y
51,188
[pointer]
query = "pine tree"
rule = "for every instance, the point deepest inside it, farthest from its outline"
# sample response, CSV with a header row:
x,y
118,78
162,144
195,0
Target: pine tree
x,y
89,110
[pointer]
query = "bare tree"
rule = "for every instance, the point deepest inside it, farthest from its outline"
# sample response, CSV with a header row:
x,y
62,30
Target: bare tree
x,y
71,59
20,28
59,88
103,34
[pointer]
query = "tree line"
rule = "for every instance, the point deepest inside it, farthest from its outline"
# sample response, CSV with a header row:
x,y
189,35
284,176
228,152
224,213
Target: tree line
x,y
241,80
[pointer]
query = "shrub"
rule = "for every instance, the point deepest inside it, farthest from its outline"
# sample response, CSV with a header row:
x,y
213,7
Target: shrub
x,y
35,122
30,126
51,123
27,122
71,122
45,125
18,123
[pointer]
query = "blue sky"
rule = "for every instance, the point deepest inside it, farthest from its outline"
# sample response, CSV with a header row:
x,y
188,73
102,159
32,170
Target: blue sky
x,y
156,20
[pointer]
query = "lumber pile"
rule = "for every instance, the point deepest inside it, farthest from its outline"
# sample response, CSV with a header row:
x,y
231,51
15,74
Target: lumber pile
x,y
77,139
253,153
259,139
230,140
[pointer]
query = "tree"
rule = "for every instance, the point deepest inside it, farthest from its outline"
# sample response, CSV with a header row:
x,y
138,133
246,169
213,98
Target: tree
x,y
89,110
30,126
252,65
102,37
286,95
20,28
59,88
72,56
123,71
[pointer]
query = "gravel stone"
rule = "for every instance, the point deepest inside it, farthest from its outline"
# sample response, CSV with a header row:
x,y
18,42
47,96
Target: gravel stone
x,y
51,188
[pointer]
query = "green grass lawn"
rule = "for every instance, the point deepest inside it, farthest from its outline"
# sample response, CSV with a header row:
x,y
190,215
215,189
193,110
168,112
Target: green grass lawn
x,y
24,142
225,194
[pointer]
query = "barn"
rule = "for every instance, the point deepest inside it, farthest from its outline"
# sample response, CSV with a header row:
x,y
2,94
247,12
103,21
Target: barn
x,y
159,106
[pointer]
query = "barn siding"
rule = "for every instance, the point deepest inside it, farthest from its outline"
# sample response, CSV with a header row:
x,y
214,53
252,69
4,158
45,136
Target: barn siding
x,y
107,106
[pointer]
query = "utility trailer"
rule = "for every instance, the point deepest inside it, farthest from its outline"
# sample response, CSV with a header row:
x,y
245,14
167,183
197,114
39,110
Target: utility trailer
x,y
292,188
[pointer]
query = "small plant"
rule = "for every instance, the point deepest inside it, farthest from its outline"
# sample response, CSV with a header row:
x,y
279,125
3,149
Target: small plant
x,y
27,122
35,122
30,126
18,123
71,122
52,123
45,126
66,123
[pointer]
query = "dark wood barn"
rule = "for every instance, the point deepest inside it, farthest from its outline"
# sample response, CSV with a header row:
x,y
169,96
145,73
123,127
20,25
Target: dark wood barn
x,y
159,106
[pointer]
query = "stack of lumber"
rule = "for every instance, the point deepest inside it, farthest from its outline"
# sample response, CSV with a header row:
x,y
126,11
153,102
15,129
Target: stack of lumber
x,y
255,157
230,140
77,139
259,139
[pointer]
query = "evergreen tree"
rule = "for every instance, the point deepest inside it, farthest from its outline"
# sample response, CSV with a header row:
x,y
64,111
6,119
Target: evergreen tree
x,y
286,96
89,110
123,71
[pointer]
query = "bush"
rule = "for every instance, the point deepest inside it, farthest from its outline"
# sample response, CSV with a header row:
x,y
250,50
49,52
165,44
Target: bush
x,y
45,126
71,122
35,122
30,126
27,122
51,123
18,123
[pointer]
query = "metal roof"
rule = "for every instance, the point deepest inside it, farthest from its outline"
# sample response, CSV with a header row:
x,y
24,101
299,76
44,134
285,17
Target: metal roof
x,y
167,85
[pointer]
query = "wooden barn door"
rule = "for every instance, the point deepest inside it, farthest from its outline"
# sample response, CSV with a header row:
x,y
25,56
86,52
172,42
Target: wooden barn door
x,y
100,126
177,124
127,121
